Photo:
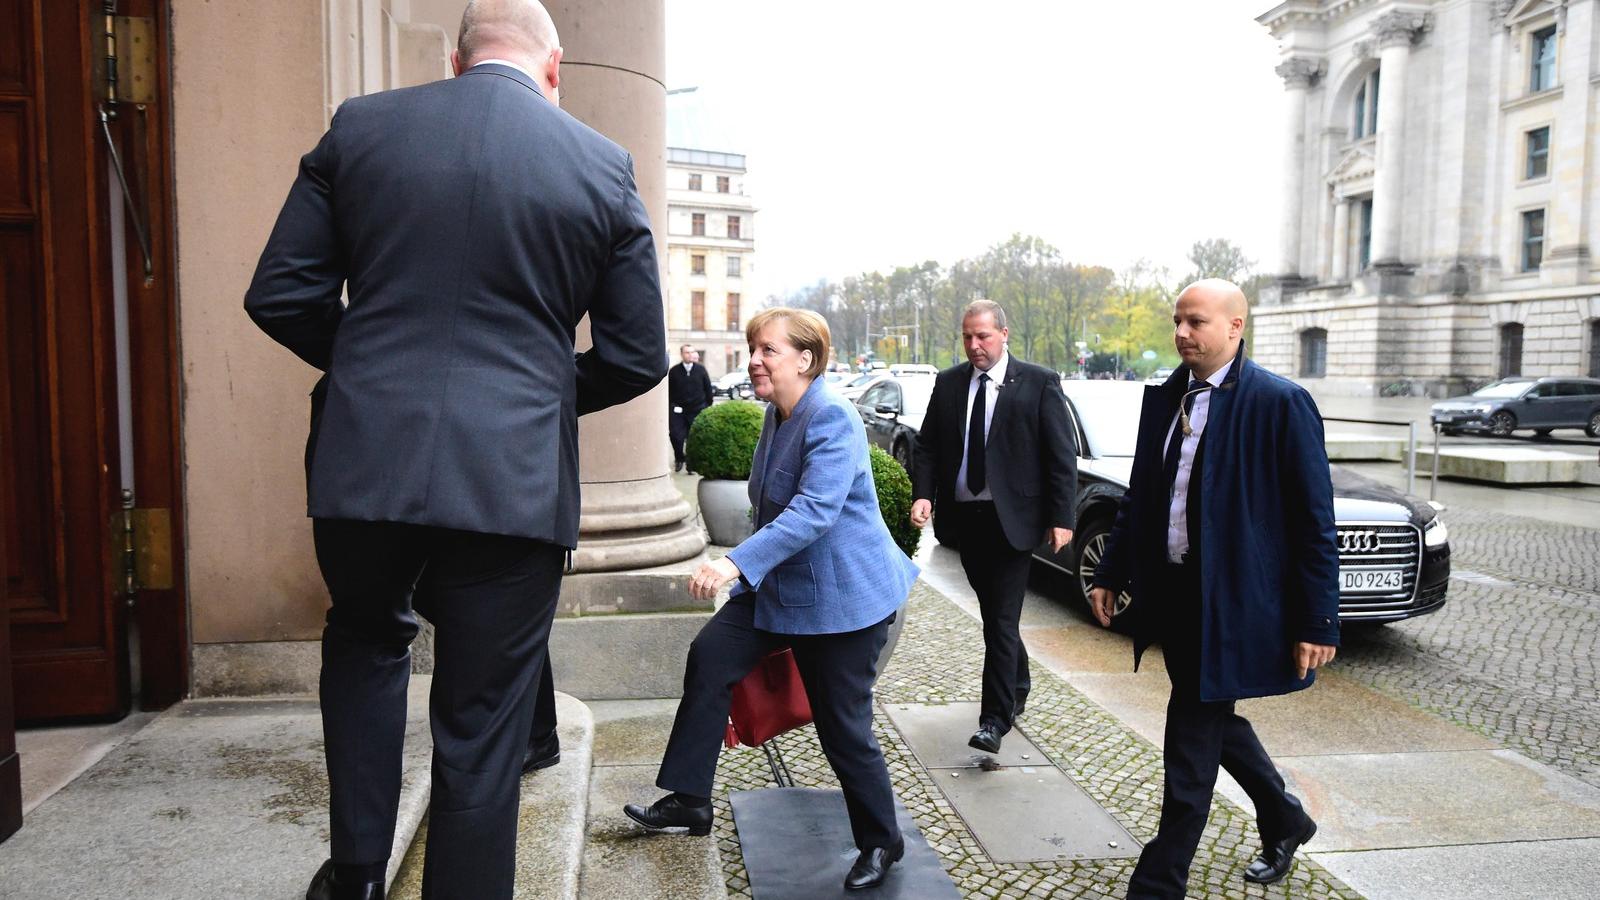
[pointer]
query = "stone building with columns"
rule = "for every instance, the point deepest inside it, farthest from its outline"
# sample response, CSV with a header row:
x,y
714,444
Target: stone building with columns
x,y
711,260
155,540
1439,194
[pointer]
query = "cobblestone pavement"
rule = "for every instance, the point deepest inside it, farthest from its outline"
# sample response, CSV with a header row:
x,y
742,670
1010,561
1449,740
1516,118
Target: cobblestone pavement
x,y
938,660
1511,656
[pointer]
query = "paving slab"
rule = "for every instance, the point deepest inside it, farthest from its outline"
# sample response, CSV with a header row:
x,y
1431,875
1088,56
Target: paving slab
x,y
797,846
54,755
938,735
1394,800
622,862
1034,814
1336,715
631,732
1550,870
214,798
551,819
1080,648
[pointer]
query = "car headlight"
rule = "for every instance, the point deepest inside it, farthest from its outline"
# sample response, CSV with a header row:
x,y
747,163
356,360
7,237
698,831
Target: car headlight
x,y
1435,534
1482,410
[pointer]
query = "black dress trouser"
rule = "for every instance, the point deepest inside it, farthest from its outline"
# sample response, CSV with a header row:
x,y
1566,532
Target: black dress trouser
x,y
838,671
998,574
492,598
1201,737
678,425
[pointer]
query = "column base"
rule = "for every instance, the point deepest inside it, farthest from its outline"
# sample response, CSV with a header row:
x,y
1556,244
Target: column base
x,y
635,525
1389,277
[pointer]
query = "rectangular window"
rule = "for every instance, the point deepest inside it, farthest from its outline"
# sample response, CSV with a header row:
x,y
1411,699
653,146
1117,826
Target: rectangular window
x,y
733,313
1538,152
722,184
694,182
1510,350
734,265
733,227
1532,239
697,310
1542,70
1364,253
1365,108
697,224
697,264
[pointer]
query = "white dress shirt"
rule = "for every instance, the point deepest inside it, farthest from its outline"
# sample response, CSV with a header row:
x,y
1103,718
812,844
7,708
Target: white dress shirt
x,y
505,62
997,376
1178,512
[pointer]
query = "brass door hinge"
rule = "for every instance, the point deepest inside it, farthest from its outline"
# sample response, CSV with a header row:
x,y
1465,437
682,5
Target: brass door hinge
x,y
144,538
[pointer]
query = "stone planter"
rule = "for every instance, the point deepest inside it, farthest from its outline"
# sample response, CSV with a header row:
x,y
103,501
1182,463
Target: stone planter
x,y
725,508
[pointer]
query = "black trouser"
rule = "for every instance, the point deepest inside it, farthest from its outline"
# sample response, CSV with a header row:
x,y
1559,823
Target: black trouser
x,y
544,709
1200,736
838,671
998,573
678,430
492,599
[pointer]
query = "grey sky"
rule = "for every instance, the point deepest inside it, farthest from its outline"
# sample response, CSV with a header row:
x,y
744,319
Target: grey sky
x,y
886,132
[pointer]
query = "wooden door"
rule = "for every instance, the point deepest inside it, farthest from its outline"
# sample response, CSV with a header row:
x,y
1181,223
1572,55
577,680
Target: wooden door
x,y
64,465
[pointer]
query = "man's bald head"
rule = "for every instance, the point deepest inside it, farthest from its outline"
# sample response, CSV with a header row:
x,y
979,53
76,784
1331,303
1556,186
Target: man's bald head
x,y
1208,324
519,31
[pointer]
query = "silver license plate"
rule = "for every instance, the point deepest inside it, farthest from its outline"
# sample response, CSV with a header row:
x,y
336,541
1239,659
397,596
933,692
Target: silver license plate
x,y
1371,581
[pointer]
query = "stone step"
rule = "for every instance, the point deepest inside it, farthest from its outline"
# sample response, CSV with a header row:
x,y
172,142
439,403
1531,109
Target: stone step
x,y
1352,447
550,823
1514,465
214,798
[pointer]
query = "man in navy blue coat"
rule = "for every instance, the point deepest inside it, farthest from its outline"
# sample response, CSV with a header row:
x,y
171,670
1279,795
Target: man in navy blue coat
x,y
472,224
1225,538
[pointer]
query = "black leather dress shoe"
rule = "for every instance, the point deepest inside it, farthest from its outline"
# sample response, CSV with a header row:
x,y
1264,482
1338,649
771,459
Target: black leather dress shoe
x,y
1277,858
325,885
669,816
872,866
542,754
985,739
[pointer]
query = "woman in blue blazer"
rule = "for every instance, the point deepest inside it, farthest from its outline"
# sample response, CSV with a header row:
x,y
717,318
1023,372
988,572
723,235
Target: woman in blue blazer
x,y
820,575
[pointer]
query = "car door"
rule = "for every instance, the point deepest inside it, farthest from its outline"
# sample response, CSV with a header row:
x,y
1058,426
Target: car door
x,y
868,404
1537,408
1578,400
885,414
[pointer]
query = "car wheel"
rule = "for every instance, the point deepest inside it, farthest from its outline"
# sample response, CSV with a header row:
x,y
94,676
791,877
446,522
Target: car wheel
x,y
1502,423
1593,428
902,454
1090,543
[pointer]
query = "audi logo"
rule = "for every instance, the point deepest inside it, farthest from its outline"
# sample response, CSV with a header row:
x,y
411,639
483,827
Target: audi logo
x,y
1358,541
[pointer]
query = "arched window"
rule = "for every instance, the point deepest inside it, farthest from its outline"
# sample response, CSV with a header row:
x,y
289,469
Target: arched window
x,y
1364,108
1314,353
1510,350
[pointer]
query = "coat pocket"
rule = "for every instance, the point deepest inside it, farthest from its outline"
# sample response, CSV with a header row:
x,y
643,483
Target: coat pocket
x,y
796,585
780,485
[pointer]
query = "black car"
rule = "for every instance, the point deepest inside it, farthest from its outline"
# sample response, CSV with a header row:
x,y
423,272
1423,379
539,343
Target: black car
x,y
1513,404
1394,550
892,411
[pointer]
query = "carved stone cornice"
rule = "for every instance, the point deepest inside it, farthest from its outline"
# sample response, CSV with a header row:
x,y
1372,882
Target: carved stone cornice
x,y
1299,72
1398,28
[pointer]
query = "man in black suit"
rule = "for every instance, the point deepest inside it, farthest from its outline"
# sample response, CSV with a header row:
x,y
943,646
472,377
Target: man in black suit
x,y
472,224
996,454
689,394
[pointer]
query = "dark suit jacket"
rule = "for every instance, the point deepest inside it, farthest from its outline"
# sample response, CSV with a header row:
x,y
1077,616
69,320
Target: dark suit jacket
x,y
690,391
473,224
1269,558
1030,457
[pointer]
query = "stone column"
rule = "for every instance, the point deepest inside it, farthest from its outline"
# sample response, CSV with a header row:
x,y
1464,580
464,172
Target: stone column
x,y
1395,31
1567,222
1339,271
1298,75
612,79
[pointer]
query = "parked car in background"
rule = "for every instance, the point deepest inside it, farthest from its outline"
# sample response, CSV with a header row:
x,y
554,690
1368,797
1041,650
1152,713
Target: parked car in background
x,y
725,385
892,410
899,369
1514,404
855,386
1159,376
1394,550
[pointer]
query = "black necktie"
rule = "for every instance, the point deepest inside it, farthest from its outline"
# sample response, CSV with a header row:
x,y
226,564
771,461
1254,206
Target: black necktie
x,y
977,474
1169,466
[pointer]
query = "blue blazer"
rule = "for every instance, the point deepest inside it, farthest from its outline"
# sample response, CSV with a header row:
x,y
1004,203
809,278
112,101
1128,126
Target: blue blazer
x,y
821,560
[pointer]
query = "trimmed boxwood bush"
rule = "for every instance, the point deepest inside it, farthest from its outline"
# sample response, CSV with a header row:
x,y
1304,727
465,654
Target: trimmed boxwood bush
x,y
894,499
722,440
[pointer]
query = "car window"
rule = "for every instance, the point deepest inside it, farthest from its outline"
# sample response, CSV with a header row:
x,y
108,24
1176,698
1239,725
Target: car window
x,y
1547,389
872,397
891,397
1502,390
1579,389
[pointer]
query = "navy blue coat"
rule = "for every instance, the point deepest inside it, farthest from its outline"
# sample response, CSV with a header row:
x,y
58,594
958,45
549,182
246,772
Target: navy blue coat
x,y
472,224
1269,558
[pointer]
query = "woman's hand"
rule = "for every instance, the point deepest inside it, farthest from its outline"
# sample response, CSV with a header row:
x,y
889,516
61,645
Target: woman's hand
x,y
710,578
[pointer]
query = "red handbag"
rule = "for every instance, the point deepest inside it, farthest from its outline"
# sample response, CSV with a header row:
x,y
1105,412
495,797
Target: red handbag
x,y
768,702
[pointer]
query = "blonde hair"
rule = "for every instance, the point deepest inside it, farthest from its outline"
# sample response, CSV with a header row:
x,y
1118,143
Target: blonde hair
x,y
807,331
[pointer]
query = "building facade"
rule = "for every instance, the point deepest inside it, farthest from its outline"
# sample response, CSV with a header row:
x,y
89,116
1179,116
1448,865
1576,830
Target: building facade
x,y
1439,194
710,256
